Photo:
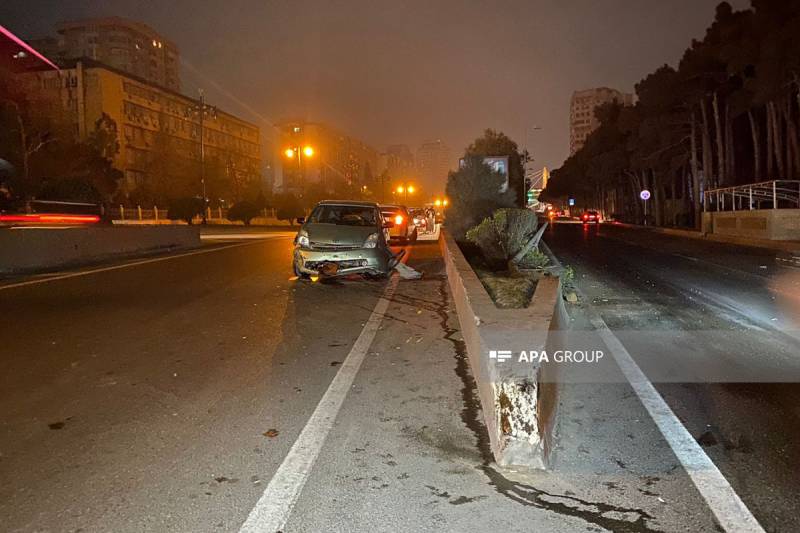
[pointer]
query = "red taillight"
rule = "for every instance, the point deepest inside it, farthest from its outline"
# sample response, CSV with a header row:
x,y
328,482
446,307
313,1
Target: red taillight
x,y
585,217
398,219
51,218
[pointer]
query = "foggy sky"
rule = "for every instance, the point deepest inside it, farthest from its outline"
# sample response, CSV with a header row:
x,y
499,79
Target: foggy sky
x,y
405,71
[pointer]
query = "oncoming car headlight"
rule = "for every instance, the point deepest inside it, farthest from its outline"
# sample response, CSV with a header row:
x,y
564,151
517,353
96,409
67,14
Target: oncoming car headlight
x,y
372,241
302,239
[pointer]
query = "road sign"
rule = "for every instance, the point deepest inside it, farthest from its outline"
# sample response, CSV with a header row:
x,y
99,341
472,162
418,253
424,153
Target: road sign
x,y
644,195
572,201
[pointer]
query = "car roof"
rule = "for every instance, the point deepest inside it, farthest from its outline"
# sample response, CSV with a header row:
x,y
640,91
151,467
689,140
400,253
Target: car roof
x,y
348,202
392,206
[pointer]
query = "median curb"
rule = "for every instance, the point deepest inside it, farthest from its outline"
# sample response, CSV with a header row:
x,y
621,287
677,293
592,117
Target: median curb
x,y
519,409
25,250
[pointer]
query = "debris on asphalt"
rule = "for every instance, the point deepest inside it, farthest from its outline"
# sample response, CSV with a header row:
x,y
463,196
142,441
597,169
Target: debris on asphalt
x,y
271,433
406,272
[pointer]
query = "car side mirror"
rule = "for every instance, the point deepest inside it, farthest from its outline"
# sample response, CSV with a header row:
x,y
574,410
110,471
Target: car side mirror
x,y
301,220
388,224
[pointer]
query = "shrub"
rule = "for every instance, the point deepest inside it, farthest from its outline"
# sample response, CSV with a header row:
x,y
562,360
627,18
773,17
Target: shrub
x,y
288,207
505,237
244,211
185,209
70,189
475,193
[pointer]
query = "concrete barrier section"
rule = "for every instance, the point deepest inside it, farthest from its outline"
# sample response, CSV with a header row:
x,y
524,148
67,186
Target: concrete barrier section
x,y
518,400
36,249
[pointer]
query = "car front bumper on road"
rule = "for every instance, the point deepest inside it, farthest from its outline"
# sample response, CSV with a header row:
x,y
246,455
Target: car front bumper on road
x,y
351,261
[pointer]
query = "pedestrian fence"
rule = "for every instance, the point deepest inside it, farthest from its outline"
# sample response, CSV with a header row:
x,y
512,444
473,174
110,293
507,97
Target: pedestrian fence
x,y
775,194
158,215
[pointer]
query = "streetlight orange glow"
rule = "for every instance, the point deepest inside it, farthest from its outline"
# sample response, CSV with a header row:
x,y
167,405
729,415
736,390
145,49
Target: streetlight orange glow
x,y
400,190
308,151
438,202
289,153
411,189
445,202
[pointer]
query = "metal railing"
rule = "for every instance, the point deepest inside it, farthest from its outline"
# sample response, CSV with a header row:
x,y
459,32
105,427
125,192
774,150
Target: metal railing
x,y
159,213
775,194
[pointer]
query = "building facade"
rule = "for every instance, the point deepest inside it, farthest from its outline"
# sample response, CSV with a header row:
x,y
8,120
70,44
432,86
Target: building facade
x,y
397,161
158,129
338,161
582,121
129,46
434,161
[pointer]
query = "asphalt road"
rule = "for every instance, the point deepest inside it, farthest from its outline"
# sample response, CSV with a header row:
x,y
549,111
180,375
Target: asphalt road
x,y
715,329
164,394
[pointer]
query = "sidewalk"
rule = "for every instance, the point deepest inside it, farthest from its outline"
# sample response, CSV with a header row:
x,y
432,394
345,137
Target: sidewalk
x,y
408,451
784,246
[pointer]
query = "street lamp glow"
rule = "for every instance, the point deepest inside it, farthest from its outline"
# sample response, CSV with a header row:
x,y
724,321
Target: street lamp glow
x,y
289,153
410,189
445,202
308,151
438,202
400,190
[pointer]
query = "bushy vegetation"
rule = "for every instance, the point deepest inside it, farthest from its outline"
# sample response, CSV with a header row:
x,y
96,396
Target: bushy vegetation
x,y
728,114
243,211
475,193
186,209
507,238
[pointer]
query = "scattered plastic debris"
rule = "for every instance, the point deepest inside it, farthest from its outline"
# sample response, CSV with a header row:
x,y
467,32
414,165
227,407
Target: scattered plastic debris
x,y
406,272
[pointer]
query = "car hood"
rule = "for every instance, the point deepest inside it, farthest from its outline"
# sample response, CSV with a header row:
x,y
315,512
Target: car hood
x,y
332,234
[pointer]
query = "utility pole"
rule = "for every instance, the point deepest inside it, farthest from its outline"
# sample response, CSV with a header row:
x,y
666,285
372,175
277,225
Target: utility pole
x,y
201,109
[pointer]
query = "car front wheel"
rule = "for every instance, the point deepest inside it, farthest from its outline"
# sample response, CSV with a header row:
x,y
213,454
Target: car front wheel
x,y
301,275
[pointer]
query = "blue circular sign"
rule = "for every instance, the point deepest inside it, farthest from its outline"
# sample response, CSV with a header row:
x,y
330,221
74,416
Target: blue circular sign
x,y
644,195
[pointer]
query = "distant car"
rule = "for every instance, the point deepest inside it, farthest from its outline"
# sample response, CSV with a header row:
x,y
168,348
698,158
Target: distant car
x,y
403,229
420,219
590,217
340,238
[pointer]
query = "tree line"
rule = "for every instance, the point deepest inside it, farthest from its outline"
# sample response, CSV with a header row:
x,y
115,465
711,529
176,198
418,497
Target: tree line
x,y
727,115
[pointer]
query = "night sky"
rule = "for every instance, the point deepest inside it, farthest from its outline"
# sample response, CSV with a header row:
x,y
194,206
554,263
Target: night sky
x,y
406,71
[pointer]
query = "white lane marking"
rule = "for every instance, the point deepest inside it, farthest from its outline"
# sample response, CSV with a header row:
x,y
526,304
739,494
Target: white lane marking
x,y
117,267
243,236
732,514
272,510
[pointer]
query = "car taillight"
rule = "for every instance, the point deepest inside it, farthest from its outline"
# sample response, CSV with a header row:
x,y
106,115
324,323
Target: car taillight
x,y
585,217
398,219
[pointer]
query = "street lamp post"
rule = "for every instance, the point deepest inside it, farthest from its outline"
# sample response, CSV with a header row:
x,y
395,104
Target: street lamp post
x,y
405,189
300,152
201,109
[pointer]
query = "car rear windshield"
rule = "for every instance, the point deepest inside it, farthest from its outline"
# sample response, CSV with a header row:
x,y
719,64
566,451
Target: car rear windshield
x,y
344,215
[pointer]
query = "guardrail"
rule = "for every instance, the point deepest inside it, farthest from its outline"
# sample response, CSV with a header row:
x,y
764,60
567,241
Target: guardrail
x,y
775,194
155,213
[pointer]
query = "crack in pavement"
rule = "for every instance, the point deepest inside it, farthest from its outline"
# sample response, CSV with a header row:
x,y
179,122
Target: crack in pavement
x,y
592,512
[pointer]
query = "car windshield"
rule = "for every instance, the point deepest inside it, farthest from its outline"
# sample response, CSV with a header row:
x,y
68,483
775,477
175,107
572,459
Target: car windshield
x,y
343,215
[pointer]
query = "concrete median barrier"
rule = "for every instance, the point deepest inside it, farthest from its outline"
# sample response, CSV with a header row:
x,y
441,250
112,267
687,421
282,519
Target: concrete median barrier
x,y
39,249
519,402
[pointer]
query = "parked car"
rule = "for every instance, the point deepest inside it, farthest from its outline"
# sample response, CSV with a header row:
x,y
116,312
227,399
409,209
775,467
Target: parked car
x,y
403,229
340,238
590,217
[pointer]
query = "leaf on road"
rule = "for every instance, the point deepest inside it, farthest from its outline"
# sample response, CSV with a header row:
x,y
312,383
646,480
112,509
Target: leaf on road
x,y
271,433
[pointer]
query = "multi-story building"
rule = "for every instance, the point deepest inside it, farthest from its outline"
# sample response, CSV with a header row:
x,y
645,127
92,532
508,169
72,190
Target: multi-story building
x,y
159,130
434,162
125,45
335,159
397,161
582,121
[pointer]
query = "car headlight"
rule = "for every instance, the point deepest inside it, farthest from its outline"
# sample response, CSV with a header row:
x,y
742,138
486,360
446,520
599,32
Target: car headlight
x,y
372,241
302,239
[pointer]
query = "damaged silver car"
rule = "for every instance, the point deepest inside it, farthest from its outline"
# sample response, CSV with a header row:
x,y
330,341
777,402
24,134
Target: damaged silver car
x,y
340,238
